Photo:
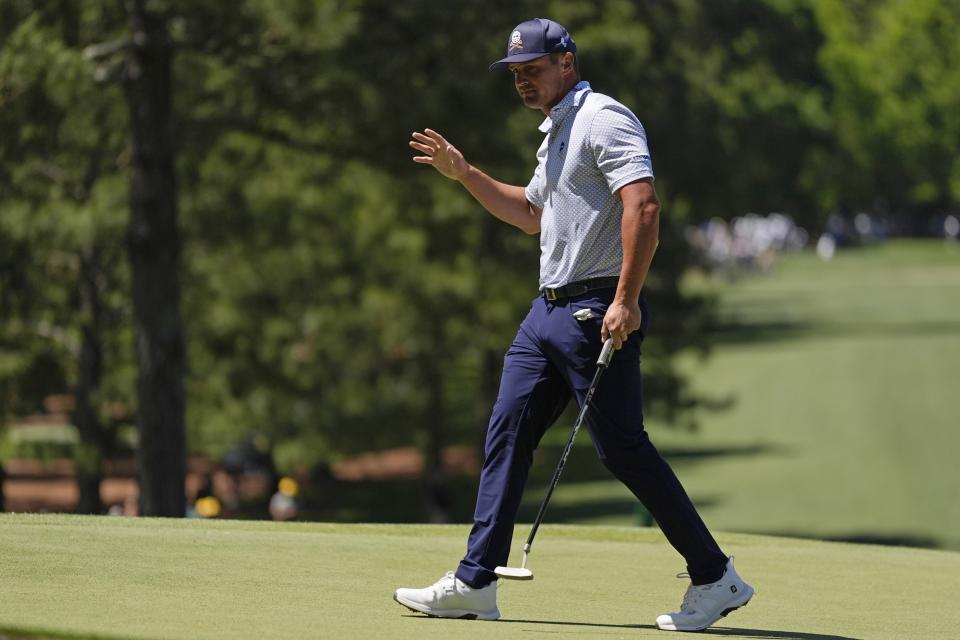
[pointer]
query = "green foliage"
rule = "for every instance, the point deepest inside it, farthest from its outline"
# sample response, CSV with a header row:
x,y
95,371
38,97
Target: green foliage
x,y
62,197
894,70
338,297
729,92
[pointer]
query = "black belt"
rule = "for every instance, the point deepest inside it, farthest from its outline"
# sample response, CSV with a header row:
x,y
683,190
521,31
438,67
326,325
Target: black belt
x,y
580,287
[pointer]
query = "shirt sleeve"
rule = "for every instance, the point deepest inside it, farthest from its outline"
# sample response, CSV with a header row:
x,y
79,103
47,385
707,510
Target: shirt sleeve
x,y
536,191
619,145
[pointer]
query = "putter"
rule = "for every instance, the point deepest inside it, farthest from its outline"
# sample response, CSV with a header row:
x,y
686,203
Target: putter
x,y
521,572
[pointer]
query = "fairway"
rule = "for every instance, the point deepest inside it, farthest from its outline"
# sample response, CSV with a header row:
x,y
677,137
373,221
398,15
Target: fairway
x,y
84,577
844,377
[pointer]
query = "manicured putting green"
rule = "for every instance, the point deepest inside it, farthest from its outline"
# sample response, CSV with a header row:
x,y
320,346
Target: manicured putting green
x,y
86,577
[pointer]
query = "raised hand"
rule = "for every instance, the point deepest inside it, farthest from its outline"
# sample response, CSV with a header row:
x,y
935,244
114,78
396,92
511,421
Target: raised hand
x,y
444,157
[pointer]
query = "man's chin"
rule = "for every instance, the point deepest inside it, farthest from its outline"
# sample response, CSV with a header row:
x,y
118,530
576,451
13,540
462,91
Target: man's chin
x,y
530,101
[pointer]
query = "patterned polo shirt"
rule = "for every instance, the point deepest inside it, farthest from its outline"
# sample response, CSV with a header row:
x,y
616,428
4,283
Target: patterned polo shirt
x,y
594,145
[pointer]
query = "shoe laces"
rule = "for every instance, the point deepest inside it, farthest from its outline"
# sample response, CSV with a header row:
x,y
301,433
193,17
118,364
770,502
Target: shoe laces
x,y
693,594
447,583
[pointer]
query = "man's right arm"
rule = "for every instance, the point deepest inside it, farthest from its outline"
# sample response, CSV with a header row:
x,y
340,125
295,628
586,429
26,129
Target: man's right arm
x,y
506,202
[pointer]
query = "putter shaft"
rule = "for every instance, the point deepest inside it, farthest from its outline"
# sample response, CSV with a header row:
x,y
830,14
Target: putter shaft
x,y
605,354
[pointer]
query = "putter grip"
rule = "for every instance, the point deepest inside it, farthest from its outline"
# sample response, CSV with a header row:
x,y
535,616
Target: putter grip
x,y
606,353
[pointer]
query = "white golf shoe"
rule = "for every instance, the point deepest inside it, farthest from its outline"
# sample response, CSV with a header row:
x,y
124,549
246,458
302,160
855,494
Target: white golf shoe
x,y
705,604
451,598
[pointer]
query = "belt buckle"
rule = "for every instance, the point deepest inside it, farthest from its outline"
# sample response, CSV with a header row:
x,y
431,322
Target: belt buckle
x,y
551,294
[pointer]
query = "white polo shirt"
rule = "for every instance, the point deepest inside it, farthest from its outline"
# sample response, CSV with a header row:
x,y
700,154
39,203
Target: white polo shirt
x,y
594,146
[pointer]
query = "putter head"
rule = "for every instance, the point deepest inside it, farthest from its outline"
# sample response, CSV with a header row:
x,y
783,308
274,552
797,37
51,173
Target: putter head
x,y
514,573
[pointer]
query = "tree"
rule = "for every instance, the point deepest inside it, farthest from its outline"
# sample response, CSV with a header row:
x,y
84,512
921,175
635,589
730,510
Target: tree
x,y
337,298
894,74
60,273
154,249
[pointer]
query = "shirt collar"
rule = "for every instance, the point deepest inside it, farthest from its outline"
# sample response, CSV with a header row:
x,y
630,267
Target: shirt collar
x,y
568,103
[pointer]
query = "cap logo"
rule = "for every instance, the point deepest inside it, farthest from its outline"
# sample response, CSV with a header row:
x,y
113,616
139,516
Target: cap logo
x,y
516,42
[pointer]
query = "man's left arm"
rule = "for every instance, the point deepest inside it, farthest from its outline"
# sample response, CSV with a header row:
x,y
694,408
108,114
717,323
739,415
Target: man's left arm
x,y
640,229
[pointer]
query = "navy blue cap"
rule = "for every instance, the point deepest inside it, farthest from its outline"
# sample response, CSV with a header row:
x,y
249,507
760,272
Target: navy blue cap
x,y
534,39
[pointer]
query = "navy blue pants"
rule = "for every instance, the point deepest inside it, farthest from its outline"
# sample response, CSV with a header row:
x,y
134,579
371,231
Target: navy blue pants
x,y
552,359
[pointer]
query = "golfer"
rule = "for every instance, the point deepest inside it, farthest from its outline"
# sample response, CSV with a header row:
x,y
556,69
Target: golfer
x,y
592,200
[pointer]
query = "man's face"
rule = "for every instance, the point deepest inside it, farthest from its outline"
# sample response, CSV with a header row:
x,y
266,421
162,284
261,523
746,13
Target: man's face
x,y
540,82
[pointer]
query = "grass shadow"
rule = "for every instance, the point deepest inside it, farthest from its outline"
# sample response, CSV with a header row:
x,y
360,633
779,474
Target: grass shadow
x,y
19,633
628,507
734,332
868,537
716,631
584,466
404,500
708,453
400,500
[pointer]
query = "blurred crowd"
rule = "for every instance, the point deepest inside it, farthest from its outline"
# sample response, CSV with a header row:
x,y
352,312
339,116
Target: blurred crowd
x,y
750,242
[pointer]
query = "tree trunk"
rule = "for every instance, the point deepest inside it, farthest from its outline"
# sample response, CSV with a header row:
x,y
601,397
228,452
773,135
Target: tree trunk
x,y
154,249
89,457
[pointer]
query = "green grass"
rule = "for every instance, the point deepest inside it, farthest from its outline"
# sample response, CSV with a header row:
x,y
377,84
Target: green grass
x,y
86,577
844,378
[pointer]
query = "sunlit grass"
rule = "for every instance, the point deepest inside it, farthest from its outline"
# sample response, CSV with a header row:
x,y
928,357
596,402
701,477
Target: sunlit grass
x,y
85,577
